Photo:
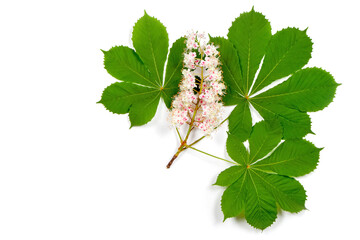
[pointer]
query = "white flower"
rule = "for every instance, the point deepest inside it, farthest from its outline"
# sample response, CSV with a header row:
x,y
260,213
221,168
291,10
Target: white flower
x,y
188,81
214,75
210,49
211,62
189,60
179,117
199,106
191,41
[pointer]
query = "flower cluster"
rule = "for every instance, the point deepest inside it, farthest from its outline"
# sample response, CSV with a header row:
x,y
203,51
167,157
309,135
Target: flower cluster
x,y
199,101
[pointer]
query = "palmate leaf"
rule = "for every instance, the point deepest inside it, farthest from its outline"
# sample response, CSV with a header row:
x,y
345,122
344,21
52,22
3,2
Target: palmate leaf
x,y
141,72
284,53
240,121
263,176
256,32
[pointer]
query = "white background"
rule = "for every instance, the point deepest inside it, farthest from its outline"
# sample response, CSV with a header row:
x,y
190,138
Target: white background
x,y
71,170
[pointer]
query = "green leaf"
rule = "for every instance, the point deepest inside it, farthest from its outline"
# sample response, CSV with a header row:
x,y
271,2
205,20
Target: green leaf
x,y
151,42
123,97
257,188
284,54
124,64
287,192
173,71
250,34
260,206
142,72
289,50
142,112
292,158
295,124
231,69
308,90
237,150
240,122
229,176
264,137
233,199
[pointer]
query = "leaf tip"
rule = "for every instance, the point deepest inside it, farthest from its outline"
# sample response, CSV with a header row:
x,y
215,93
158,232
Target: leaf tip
x,y
103,51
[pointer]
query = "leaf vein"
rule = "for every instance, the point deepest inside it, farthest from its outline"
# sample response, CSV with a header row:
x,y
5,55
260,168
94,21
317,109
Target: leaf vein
x,y
280,60
170,78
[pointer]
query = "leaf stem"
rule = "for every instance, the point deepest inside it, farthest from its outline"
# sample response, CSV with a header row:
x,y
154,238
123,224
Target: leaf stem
x,y
213,156
177,130
180,149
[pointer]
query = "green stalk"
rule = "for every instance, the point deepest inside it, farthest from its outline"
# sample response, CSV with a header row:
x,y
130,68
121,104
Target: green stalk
x,y
183,142
213,156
